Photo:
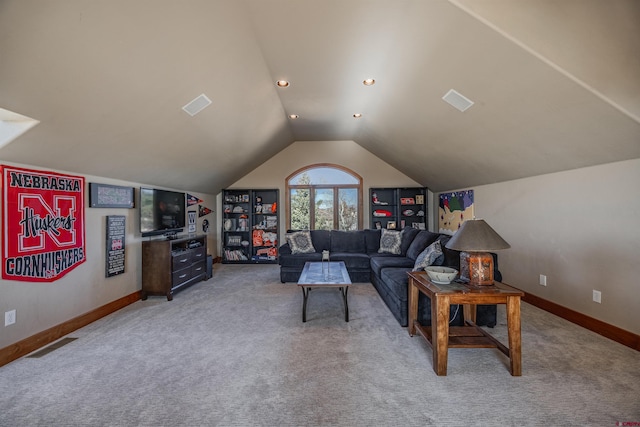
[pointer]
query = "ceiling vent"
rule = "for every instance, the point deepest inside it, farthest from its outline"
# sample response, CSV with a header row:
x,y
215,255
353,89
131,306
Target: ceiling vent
x,y
458,100
197,105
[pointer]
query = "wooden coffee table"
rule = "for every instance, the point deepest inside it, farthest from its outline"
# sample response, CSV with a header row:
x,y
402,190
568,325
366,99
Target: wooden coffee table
x,y
324,275
442,337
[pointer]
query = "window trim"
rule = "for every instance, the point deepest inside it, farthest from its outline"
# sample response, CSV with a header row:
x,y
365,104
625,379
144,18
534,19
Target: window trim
x,y
312,188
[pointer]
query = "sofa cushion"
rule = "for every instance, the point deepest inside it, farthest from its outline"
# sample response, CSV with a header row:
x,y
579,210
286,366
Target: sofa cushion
x,y
380,261
348,241
352,261
297,261
397,282
321,240
372,240
300,242
408,234
420,243
390,241
432,255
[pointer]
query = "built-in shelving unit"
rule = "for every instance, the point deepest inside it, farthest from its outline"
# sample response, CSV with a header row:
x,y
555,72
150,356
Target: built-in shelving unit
x,y
250,226
396,208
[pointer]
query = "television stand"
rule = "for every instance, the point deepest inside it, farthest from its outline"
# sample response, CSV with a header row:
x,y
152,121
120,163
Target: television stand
x,y
172,265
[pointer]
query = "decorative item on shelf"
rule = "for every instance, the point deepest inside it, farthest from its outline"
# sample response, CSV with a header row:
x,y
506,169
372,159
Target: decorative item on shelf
x,y
258,204
418,225
230,224
238,209
407,201
475,238
271,222
381,212
243,224
269,238
378,225
234,240
419,199
391,225
376,201
408,212
227,208
266,209
245,198
257,237
420,213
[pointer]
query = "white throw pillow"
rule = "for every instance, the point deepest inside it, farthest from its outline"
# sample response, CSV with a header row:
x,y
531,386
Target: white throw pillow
x,y
432,255
390,241
300,242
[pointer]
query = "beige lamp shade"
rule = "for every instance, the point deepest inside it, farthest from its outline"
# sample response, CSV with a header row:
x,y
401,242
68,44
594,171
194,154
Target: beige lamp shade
x,y
474,240
475,235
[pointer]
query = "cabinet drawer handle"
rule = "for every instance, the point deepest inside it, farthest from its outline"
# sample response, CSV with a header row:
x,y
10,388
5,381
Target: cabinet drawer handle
x,y
183,260
182,276
199,268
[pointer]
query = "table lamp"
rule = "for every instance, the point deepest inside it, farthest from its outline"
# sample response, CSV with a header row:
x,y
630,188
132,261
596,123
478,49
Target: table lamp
x,y
474,239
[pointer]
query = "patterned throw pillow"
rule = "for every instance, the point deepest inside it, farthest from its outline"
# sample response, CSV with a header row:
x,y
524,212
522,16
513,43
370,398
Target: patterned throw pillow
x,y
432,255
300,242
390,241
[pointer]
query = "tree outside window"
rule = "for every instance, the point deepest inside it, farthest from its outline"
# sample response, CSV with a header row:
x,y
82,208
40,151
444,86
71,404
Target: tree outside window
x,y
324,197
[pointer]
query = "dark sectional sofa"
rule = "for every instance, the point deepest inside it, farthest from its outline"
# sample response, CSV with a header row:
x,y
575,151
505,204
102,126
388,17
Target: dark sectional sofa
x,y
387,272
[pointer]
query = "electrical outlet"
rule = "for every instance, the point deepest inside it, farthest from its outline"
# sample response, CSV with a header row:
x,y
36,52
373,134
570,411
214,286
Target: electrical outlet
x,y
9,317
597,296
543,280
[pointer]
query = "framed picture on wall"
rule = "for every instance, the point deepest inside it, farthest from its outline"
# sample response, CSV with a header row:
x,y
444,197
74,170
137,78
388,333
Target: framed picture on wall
x,y
110,196
391,225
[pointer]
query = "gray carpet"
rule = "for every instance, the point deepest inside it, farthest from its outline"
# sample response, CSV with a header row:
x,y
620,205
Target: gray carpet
x,y
233,351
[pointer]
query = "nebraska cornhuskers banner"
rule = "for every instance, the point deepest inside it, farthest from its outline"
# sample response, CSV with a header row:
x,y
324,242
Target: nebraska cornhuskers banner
x,y
42,224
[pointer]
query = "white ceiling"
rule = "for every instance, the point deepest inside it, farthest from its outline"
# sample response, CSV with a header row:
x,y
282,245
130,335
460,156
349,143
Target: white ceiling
x,y
556,85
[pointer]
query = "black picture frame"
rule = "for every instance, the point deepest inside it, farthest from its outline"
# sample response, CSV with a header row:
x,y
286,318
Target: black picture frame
x,y
115,245
111,196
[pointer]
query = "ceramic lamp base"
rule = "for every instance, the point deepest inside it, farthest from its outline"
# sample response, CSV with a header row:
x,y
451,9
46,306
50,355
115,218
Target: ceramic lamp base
x,y
477,268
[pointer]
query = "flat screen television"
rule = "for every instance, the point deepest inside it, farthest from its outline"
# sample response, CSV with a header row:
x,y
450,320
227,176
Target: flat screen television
x,y
161,212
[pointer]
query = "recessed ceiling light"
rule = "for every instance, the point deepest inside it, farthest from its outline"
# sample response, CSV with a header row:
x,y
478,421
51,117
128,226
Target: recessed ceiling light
x,y
357,115
293,116
282,83
369,82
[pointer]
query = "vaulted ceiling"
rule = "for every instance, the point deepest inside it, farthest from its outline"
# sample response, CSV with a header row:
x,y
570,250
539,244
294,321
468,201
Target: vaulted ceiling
x,y
555,85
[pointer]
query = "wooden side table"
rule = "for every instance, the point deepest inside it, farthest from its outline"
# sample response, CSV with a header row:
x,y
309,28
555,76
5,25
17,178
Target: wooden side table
x,y
442,337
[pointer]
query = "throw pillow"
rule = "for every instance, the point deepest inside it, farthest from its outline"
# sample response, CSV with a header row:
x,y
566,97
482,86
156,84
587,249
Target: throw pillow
x,y
300,242
432,255
390,241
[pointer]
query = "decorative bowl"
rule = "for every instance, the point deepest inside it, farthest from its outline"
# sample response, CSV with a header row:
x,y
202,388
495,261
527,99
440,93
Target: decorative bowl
x,y
441,275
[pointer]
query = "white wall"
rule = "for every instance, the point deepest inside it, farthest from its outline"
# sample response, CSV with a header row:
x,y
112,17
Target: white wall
x,y
373,170
40,306
581,229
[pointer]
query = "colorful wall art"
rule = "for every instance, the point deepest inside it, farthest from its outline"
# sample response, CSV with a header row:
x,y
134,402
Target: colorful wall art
x,y
42,224
454,208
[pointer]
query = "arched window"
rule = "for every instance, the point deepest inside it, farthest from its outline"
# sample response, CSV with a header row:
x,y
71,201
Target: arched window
x,y
324,197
